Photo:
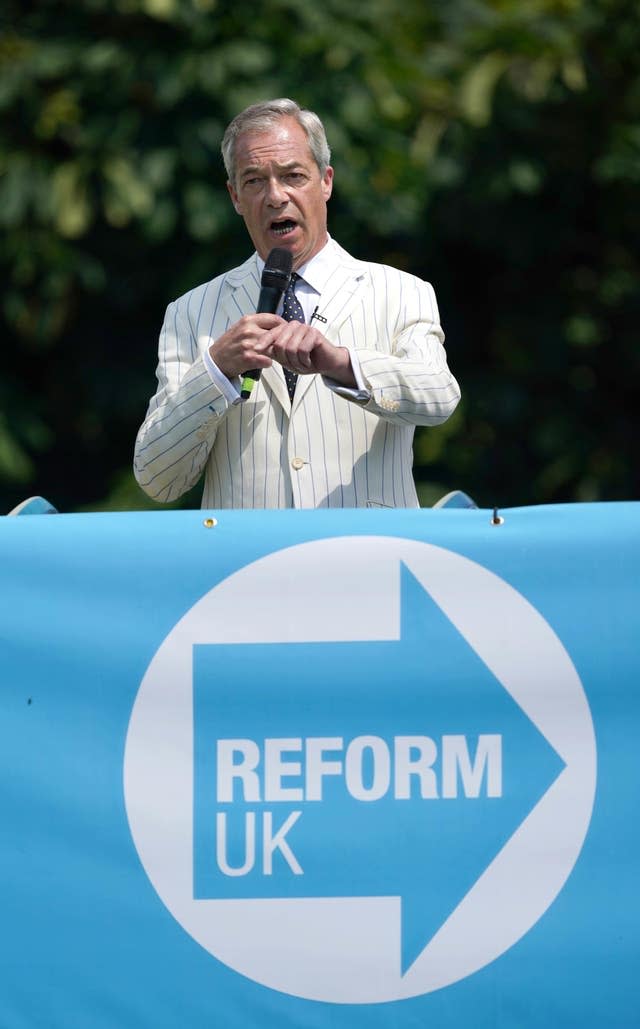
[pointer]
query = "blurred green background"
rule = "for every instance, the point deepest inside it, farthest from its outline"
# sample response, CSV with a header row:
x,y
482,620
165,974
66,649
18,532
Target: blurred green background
x,y
489,146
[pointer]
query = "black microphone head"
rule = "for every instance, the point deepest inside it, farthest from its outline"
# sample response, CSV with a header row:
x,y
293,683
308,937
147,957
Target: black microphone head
x,y
277,269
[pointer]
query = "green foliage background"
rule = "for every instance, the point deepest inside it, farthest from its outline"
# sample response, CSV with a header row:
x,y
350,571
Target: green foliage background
x,y
490,146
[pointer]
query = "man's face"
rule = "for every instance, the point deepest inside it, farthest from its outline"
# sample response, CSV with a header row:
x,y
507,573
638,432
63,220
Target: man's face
x,y
279,191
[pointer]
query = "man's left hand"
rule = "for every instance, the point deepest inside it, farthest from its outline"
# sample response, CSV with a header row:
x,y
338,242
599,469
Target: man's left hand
x,y
303,349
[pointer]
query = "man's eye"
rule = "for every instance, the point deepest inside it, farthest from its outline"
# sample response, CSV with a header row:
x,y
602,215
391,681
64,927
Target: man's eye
x,y
253,182
295,177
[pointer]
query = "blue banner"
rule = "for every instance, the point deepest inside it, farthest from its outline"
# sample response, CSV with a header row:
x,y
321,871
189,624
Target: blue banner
x,y
320,769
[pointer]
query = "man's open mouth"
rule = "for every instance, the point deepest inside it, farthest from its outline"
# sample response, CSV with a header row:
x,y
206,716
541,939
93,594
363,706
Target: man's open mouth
x,y
283,227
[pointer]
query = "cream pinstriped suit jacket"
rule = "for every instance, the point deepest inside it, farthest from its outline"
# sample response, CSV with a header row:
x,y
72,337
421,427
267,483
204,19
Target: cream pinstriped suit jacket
x,y
324,450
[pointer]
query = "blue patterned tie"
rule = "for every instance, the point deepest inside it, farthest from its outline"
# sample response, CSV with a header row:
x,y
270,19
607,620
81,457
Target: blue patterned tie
x,y
291,312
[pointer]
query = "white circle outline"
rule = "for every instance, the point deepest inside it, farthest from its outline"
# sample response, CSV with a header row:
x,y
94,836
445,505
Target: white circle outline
x,y
347,950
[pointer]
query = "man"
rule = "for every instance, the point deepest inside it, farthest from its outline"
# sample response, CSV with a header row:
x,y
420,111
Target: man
x,y
368,355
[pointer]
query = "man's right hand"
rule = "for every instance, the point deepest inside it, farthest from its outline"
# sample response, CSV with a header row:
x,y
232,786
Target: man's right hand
x,y
243,346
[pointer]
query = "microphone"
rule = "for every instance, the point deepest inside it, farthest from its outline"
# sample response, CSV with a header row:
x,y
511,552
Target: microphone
x,y
274,281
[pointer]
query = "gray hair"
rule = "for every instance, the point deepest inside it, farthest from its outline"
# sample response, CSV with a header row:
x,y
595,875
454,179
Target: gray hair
x,y
262,116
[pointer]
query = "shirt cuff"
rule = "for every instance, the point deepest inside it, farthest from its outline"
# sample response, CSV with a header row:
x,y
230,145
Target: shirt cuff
x,y
359,391
227,387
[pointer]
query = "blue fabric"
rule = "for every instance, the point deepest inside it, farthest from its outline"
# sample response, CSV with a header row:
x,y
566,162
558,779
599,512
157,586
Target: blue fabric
x,y
371,741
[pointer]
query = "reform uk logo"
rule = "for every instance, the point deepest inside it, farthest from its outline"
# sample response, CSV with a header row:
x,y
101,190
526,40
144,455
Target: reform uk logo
x,y
360,769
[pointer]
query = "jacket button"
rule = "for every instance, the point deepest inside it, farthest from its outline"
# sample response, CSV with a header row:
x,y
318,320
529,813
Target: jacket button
x,y
297,463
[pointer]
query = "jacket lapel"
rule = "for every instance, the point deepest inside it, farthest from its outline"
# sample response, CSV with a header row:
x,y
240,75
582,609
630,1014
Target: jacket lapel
x,y
242,289
342,292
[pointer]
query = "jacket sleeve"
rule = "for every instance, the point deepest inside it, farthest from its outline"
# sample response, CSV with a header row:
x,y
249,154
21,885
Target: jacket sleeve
x,y
182,419
401,354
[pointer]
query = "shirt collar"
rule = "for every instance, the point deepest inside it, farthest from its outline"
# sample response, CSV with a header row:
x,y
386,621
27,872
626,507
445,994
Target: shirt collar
x,y
315,272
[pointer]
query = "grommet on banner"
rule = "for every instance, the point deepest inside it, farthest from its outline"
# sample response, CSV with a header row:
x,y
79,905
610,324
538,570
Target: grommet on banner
x,y
496,519
209,523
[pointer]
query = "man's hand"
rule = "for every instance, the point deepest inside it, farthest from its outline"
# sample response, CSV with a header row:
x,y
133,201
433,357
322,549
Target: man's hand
x,y
303,349
245,345
259,339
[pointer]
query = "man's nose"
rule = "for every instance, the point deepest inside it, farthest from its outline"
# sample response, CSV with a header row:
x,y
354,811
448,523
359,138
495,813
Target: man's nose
x,y
276,195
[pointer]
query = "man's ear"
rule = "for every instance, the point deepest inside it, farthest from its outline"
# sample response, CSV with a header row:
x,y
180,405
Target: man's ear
x,y
234,198
327,183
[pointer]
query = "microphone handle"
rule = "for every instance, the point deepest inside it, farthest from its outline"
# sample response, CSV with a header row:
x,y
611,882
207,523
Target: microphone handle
x,y
269,299
267,304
